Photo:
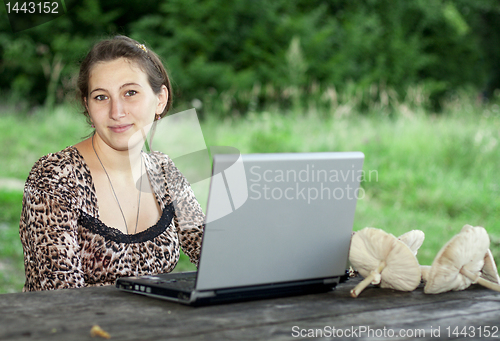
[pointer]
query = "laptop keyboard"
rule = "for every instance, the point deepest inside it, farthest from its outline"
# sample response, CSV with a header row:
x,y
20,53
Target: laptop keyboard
x,y
178,283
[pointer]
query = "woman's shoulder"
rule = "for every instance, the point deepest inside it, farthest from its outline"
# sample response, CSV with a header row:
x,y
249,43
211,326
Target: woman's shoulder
x,y
156,155
56,166
68,157
161,163
159,159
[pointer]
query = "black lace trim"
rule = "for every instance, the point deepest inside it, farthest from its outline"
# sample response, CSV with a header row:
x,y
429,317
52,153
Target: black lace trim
x,y
95,225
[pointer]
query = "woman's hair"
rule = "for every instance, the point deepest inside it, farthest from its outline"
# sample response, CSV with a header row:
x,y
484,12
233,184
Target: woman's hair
x,y
124,47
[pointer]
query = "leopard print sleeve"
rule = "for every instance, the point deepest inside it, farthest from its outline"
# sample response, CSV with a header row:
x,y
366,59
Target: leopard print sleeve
x,y
189,217
48,226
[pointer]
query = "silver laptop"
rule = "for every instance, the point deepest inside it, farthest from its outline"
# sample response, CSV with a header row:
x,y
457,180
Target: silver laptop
x,y
276,225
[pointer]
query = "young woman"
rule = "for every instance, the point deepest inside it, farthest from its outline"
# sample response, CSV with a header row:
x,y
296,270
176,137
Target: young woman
x,y
86,218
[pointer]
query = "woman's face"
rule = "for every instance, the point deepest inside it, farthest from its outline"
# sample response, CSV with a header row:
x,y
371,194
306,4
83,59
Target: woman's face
x,y
121,101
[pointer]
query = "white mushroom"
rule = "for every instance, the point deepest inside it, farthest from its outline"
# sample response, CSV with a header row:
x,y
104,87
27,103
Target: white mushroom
x,y
458,264
466,227
413,239
425,272
382,258
489,270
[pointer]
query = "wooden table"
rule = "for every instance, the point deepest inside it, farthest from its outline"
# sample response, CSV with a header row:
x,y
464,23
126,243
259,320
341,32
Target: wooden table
x,y
70,314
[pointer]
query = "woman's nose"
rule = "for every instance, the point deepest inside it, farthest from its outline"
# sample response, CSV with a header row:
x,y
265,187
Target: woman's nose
x,y
117,110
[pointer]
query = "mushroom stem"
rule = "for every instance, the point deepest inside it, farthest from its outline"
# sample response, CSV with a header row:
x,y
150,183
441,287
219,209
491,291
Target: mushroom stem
x,y
365,282
425,271
479,280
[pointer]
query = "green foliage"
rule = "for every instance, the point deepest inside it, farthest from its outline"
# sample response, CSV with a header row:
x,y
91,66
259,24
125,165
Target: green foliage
x,y
218,48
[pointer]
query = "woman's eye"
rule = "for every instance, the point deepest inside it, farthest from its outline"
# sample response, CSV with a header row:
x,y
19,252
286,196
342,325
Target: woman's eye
x,y
130,93
100,97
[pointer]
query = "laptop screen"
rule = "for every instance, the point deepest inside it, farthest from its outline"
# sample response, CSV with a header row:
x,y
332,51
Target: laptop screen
x,y
275,218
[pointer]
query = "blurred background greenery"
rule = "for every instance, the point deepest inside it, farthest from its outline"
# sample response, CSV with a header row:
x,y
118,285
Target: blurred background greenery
x,y
412,84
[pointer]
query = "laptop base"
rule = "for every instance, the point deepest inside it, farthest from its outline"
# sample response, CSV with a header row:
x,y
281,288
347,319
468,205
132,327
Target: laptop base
x,y
160,286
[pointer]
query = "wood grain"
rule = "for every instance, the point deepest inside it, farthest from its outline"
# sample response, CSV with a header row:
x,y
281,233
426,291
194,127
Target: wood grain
x,y
70,314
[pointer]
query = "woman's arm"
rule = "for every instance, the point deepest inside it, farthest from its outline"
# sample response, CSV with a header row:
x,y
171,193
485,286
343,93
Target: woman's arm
x,y
48,227
189,218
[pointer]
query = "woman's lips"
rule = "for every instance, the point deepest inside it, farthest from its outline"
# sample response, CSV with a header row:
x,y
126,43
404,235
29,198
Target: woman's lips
x,y
121,128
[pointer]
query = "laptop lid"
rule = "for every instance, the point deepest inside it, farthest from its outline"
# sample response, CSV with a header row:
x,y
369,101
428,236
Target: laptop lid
x,y
275,218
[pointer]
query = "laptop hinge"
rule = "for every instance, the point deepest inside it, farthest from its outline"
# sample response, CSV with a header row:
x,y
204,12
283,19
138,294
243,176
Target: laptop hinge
x,y
202,294
331,280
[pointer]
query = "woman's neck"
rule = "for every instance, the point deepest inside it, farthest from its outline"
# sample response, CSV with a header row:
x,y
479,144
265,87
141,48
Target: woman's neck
x,y
117,161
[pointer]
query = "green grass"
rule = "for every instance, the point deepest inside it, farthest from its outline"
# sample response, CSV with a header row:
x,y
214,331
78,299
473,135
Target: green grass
x,y
429,172
25,139
11,251
435,173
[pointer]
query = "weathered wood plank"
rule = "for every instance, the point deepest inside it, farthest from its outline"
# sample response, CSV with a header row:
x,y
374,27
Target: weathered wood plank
x,y
69,314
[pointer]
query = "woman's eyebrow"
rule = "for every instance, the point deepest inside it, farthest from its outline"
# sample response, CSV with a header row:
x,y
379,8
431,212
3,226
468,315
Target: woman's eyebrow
x,y
98,89
124,85
127,84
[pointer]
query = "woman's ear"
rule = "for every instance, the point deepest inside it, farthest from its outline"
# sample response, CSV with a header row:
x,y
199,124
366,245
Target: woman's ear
x,y
85,103
162,100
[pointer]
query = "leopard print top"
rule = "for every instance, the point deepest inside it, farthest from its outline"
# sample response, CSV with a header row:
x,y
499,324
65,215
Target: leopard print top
x,y
67,246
